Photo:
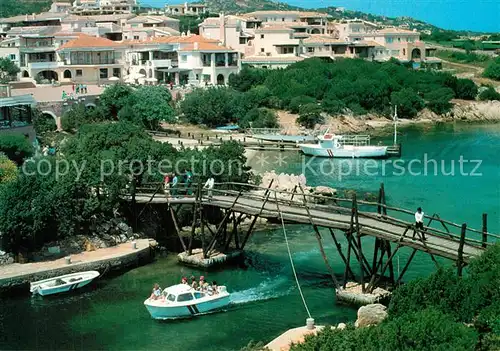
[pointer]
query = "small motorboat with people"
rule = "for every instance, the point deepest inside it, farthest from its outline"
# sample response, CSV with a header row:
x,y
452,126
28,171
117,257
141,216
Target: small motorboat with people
x,y
63,283
183,300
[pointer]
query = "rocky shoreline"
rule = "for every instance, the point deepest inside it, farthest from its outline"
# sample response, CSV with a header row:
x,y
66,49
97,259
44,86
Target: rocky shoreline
x,y
462,112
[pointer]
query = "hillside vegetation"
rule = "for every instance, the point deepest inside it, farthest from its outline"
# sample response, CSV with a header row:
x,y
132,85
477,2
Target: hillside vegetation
x,y
9,8
314,86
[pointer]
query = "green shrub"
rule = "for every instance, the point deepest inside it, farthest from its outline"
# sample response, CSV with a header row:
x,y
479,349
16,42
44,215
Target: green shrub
x,y
259,118
16,147
43,123
299,101
438,100
310,115
489,94
493,70
408,103
466,89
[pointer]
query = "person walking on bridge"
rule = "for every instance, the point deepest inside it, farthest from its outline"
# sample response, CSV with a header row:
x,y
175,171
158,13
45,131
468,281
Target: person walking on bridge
x,y
209,185
419,222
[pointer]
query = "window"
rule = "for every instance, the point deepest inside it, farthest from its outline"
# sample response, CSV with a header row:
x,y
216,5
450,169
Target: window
x,y
399,40
404,51
12,57
79,73
171,297
198,295
116,72
243,41
197,77
184,297
261,49
262,36
389,40
310,49
103,73
136,37
184,58
283,19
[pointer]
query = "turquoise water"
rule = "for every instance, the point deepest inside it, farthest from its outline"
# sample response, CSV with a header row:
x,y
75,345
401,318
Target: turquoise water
x,y
110,314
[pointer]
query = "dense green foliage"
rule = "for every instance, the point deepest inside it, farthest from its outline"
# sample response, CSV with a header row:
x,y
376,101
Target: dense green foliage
x,y
440,312
463,57
8,169
16,147
145,106
43,123
493,70
218,106
10,8
357,86
60,196
489,94
316,86
8,70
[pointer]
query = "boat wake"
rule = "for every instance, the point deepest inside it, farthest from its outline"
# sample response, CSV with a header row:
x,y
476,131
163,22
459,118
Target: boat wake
x,y
268,289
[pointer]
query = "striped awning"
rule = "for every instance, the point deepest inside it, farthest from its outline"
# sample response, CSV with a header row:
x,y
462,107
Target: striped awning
x,y
17,100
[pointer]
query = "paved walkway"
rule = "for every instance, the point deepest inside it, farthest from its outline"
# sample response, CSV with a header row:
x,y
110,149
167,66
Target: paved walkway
x,y
295,335
50,93
19,270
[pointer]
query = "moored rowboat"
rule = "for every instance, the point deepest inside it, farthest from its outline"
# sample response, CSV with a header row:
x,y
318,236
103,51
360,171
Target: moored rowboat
x,y
63,283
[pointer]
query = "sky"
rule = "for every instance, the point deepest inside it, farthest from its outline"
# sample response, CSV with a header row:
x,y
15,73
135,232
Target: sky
x,y
474,15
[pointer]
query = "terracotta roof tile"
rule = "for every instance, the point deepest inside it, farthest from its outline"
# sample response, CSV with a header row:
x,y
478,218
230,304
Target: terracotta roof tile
x,y
204,46
87,41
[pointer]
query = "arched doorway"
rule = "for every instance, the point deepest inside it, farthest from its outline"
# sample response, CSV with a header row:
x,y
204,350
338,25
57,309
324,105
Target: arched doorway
x,y
45,122
315,31
67,74
143,71
416,54
220,79
26,74
49,75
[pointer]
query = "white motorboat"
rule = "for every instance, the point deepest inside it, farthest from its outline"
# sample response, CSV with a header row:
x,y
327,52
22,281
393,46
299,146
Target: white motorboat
x,y
180,301
63,283
344,146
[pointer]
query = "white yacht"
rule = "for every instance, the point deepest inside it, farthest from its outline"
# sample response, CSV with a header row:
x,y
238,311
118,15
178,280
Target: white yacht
x,y
344,146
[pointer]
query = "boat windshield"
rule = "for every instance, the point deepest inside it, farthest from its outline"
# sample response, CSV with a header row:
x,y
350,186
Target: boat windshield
x,y
184,297
171,297
198,295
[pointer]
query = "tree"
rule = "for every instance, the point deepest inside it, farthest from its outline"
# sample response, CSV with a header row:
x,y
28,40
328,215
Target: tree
x,y
8,169
493,70
408,103
489,94
8,70
438,100
298,101
466,89
310,115
212,107
16,147
152,105
43,123
115,97
259,118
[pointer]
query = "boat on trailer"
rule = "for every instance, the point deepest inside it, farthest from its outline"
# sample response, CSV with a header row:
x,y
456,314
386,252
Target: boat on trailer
x,y
63,283
344,146
182,301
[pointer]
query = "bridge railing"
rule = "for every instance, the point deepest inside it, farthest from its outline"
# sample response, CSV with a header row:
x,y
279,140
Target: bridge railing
x,y
297,198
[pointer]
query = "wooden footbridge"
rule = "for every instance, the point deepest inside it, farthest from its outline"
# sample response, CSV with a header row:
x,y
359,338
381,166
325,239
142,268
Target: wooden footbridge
x,y
392,228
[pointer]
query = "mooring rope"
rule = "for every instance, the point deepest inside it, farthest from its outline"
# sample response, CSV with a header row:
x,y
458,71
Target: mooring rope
x,y
290,256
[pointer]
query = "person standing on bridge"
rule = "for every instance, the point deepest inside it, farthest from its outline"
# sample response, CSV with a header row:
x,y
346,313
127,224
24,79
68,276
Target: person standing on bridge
x,y
209,185
175,180
419,222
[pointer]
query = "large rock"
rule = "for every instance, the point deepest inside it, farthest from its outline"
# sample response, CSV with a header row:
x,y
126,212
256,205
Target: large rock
x,y
371,315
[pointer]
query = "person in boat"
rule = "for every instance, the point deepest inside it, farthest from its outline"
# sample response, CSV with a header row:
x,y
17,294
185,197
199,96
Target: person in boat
x,y
194,283
215,289
202,285
184,280
156,294
419,222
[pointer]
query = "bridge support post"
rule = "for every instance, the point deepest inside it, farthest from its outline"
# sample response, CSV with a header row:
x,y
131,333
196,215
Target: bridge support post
x,y
485,230
460,261
339,249
360,247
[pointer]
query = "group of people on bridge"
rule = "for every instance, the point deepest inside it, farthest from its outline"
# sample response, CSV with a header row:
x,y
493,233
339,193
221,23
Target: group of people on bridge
x,y
171,184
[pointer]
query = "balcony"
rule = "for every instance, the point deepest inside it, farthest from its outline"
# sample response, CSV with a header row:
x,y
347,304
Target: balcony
x,y
44,65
